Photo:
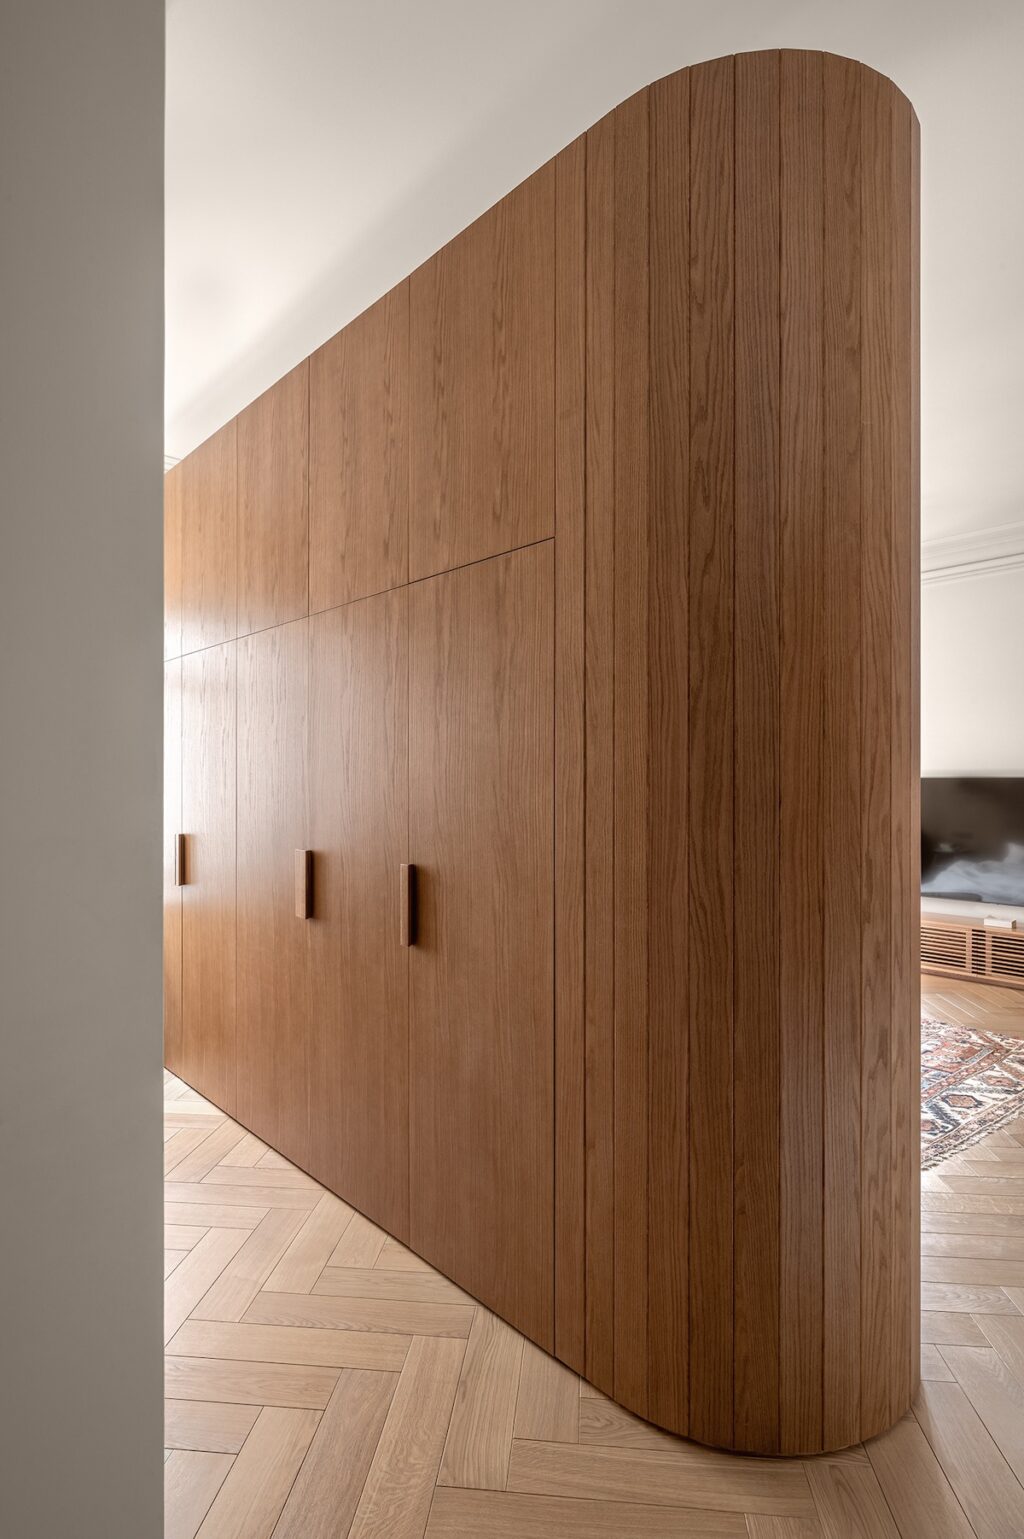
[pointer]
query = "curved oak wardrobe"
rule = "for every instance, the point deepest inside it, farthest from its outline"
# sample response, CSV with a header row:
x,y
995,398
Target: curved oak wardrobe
x,y
542,756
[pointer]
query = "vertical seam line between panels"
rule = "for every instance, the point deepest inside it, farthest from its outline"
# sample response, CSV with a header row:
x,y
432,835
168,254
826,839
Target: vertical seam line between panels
x,y
732,945
824,754
779,553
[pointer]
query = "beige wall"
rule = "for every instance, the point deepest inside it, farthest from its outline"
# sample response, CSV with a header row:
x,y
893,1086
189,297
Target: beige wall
x,y
81,377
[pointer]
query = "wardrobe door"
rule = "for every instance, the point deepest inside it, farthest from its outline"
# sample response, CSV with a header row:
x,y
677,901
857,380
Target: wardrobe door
x,y
273,523
172,891
273,1013
209,522
359,456
358,768
482,385
481,970
208,896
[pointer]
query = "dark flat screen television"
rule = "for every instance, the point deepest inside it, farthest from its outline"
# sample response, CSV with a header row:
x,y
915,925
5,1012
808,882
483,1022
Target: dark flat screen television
x,y
972,838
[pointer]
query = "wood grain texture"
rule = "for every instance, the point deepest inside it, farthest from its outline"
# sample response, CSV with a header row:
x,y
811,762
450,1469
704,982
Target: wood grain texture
x,y
210,1426
209,535
191,1481
633,1478
776,542
849,1501
397,1494
801,751
241,1280
645,1082
513,1515
630,737
914,1485
208,688
599,699
570,774
323,1500
710,780
683,1477
914,703
841,734
905,765
348,1314
254,1492
299,1345
547,1408
359,456
309,1252
193,1277
358,786
273,1034
476,1451
878,407
757,682
481,713
481,409
977,1471
273,510
668,760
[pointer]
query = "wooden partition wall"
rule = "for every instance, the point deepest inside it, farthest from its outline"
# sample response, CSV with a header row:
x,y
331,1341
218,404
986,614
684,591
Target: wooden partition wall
x,y
580,575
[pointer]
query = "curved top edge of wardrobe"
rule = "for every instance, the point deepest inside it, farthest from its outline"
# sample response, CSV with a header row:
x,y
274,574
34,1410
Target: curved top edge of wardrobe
x,y
700,64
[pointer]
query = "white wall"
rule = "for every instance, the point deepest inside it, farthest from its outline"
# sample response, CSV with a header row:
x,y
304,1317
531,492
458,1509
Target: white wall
x,y
972,682
81,376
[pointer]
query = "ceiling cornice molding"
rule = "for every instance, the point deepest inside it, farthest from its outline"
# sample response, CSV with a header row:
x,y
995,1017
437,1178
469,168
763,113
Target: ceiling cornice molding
x,y
169,462
955,556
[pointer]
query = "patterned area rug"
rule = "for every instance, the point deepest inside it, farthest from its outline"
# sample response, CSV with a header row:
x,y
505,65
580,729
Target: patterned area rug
x,y
971,1083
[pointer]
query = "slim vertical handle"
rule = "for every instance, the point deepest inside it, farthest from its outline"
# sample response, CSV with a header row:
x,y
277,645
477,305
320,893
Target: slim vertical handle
x,y
180,876
303,884
407,907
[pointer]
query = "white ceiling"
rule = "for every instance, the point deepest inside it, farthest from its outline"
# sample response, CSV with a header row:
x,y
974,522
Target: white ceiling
x,y
319,150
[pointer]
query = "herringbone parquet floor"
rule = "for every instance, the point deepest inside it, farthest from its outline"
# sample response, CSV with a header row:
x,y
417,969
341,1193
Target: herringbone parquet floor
x,y
323,1382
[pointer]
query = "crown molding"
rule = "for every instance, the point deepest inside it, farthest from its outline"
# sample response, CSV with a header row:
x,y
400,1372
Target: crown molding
x,y
955,556
169,462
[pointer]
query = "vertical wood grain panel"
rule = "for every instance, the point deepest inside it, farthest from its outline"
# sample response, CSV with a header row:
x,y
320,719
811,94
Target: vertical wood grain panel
x,y
208,685
914,448
905,572
172,893
359,972
630,733
711,620
841,727
570,548
173,512
273,508
209,530
359,456
756,814
877,621
482,351
647,1081
668,832
801,751
600,705
481,835
273,1002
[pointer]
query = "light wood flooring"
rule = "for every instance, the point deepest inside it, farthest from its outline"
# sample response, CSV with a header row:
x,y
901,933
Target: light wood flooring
x,y
323,1382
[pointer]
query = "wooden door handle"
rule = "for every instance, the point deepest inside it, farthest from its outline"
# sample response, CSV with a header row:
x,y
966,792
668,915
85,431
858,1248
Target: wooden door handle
x,y
180,873
407,907
303,884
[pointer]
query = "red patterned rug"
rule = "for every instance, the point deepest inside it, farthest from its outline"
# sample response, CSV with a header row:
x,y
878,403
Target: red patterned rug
x,y
972,1082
